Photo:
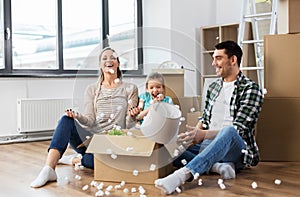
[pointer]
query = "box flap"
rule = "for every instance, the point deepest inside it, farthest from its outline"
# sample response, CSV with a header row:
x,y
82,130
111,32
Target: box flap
x,y
121,145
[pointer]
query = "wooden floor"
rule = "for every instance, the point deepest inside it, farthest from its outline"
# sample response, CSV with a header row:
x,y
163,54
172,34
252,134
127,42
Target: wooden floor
x,y
21,162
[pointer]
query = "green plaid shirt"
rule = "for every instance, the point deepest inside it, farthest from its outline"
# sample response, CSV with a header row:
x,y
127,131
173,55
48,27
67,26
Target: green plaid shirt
x,y
245,106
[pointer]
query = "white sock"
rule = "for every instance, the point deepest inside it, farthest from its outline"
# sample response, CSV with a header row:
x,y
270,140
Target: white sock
x,y
171,182
226,170
46,174
69,158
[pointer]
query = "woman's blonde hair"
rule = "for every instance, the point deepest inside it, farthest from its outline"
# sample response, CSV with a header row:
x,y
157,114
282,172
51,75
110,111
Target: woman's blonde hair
x,y
101,74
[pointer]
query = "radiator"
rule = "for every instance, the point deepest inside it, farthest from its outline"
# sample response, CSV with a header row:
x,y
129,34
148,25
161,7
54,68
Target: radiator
x,y
38,115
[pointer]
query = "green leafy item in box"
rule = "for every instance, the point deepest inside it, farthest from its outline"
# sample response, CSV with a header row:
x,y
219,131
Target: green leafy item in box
x,y
116,132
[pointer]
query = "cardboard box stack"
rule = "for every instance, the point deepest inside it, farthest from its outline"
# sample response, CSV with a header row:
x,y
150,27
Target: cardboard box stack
x,y
288,16
278,126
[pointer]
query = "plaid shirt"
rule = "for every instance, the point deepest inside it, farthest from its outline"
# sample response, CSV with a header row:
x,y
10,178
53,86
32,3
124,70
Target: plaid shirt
x,y
245,105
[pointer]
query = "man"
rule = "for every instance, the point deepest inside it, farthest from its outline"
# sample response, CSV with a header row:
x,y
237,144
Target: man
x,y
231,110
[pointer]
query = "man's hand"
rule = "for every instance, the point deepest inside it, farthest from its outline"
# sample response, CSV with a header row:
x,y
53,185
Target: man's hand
x,y
192,136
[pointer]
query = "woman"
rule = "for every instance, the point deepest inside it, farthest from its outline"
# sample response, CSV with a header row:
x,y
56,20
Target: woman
x,y
104,109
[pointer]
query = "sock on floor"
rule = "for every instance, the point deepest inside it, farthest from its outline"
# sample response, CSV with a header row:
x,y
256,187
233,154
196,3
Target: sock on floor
x,y
46,174
169,184
226,170
69,158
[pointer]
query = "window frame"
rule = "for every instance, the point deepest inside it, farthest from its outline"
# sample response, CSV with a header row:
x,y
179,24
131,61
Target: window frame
x,y
61,72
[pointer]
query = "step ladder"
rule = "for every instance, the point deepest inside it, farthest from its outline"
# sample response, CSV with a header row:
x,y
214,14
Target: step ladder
x,y
250,15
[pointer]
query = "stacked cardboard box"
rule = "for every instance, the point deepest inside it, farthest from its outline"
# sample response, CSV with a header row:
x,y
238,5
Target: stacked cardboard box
x,y
278,126
288,16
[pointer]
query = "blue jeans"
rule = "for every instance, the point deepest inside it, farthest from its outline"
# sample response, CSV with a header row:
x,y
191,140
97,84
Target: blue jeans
x,y
68,131
226,147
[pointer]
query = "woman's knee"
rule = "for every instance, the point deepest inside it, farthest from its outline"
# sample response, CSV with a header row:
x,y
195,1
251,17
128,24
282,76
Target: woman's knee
x,y
88,160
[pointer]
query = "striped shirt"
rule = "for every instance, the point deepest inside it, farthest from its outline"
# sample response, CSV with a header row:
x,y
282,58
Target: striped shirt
x,y
245,106
108,107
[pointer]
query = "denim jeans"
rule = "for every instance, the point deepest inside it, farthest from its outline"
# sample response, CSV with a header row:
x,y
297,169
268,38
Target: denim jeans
x,y
68,131
225,147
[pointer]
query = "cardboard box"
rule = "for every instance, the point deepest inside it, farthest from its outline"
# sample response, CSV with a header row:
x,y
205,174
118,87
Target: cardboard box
x,y
281,69
192,118
133,153
278,127
174,83
186,104
288,16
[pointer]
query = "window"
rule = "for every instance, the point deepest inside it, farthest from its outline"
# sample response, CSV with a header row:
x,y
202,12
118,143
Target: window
x,y
2,37
65,36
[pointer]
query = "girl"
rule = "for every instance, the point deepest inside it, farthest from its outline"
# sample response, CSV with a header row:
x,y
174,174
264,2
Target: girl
x,y
155,92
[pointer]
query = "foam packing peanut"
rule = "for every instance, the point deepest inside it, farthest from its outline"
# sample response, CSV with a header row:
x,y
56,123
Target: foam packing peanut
x,y
222,186
254,185
109,188
122,183
277,181
200,182
99,193
196,176
152,167
135,172
111,71
84,188
133,190
114,156
178,190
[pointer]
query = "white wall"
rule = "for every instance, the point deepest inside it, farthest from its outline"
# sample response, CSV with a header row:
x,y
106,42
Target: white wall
x,y
171,33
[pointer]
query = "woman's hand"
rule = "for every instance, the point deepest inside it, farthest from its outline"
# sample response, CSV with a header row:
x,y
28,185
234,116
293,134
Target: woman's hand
x,y
134,111
71,114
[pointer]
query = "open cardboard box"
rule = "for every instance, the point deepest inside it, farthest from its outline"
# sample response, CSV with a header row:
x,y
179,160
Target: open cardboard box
x,y
116,158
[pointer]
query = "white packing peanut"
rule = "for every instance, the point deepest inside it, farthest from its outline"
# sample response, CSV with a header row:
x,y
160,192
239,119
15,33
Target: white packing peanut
x,y
118,186
77,177
184,162
135,172
152,167
133,190
178,190
200,182
196,176
182,119
109,188
128,149
107,193
254,185
114,156
81,167
117,80
125,190
220,181
84,188
222,186
277,181
122,183
99,193
176,153
111,71
192,109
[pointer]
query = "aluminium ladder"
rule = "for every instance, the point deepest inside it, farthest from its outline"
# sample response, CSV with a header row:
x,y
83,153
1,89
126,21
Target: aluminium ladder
x,y
249,14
